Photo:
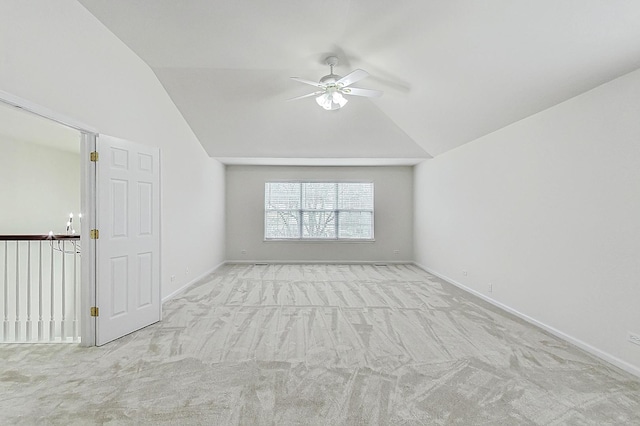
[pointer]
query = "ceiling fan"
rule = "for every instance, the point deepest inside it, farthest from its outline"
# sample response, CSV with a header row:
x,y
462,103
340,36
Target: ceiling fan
x,y
332,87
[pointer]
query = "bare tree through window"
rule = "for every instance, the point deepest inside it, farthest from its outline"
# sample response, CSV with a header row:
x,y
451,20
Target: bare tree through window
x,y
319,210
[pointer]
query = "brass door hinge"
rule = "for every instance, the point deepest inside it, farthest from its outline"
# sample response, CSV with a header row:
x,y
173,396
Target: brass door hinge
x,y
94,234
94,156
94,311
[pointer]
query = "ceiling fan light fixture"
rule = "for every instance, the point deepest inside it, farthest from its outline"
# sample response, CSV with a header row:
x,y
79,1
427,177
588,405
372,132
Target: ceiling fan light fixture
x,y
331,100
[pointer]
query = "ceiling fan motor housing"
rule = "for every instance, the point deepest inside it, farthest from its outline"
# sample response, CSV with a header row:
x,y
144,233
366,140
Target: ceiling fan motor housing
x,y
329,79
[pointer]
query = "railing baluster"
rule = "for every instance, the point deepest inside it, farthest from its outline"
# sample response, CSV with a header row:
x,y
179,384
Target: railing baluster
x,y
75,291
52,324
5,328
19,302
40,321
16,336
63,334
28,334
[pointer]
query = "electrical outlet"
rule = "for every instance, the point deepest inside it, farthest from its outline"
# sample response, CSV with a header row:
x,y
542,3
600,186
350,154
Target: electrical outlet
x,y
187,271
490,288
243,251
464,272
634,338
173,278
396,251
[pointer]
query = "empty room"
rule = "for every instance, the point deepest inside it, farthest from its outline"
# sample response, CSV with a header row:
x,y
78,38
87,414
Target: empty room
x,y
342,212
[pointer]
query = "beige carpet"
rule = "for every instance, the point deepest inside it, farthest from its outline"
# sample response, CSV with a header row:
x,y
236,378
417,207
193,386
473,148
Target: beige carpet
x,y
319,345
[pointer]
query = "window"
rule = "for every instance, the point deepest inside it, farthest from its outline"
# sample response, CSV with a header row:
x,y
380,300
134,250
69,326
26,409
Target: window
x,y
318,211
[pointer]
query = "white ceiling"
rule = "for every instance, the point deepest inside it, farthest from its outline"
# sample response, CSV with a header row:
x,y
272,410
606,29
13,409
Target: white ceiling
x,y
452,71
18,125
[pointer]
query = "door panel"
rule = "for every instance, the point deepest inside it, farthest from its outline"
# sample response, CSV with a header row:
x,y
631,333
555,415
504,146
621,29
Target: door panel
x,y
128,248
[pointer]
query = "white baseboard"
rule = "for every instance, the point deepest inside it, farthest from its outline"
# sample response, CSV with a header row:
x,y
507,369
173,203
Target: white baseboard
x,y
630,368
190,283
320,262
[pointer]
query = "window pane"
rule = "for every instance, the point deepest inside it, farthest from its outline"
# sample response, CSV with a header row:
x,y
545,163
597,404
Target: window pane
x,y
319,224
282,224
319,196
356,225
355,196
282,195
318,210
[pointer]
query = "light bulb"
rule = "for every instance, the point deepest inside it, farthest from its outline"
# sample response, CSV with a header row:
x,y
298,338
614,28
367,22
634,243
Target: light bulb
x,y
323,100
71,215
339,99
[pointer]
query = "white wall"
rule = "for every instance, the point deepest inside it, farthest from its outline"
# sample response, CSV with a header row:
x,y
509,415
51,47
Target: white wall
x,y
59,56
393,215
548,211
40,186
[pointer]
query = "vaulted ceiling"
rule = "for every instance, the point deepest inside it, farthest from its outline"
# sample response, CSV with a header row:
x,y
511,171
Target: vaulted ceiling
x,y
451,71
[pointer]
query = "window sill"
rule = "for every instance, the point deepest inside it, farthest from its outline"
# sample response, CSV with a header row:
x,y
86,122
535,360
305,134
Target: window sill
x,y
316,240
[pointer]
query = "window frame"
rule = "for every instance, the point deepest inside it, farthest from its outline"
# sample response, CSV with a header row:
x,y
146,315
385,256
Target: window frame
x,y
335,211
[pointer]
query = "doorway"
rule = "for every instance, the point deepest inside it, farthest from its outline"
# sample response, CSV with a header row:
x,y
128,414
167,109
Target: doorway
x,y
124,187
40,250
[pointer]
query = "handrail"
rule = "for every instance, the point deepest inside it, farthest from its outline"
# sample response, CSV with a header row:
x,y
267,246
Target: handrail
x,y
38,237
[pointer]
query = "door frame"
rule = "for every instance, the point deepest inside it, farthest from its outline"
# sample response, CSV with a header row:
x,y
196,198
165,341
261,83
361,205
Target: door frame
x,y
87,206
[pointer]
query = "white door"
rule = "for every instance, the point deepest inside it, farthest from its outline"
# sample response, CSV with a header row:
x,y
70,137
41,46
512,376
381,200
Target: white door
x,y
128,244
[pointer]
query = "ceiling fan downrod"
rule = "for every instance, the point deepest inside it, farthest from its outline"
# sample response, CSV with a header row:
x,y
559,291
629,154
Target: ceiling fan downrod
x,y
332,61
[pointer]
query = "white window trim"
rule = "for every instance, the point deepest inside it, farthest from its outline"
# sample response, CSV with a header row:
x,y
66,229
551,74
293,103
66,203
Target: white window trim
x,y
336,211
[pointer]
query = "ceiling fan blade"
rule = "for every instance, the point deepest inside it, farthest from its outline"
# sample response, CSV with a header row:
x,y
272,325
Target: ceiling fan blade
x,y
306,96
361,92
309,82
352,77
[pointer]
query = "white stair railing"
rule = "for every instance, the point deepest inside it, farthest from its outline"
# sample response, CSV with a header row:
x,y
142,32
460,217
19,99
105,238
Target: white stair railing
x,y
54,260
